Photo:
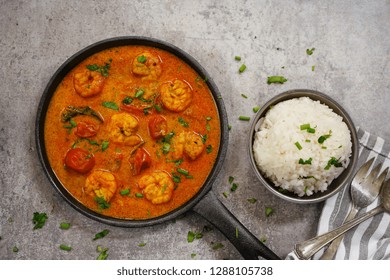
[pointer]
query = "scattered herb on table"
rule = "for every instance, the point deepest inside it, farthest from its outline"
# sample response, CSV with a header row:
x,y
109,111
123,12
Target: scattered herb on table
x,y
103,253
193,255
231,179
242,68
313,68
142,244
39,220
217,246
263,239
234,187
64,225
276,79
243,95
101,234
268,211
225,194
256,109
252,200
310,51
236,232
244,118
15,249
191,236
65,247
237,58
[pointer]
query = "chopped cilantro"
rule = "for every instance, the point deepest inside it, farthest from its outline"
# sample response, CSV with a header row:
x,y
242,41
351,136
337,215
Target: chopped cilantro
x,y
39,220
103,70
110,105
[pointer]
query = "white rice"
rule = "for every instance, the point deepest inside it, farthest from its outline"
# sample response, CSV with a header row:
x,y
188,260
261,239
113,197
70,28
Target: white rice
x,y
277,155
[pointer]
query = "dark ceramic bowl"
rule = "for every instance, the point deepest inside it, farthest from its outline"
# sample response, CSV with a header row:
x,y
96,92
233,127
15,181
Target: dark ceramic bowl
x,y
337,184
205,203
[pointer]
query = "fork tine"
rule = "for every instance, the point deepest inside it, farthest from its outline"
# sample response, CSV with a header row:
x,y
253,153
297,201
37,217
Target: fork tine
x,y
373,174
363,170
382,177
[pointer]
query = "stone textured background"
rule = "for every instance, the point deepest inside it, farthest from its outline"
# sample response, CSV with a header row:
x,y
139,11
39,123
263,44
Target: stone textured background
x,y
351,58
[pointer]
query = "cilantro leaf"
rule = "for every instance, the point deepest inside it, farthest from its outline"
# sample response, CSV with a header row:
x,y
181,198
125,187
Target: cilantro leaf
x,y
39,220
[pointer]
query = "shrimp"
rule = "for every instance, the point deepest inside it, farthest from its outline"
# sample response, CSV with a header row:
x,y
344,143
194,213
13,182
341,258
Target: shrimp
x,y
176,96
100,184
188,143
147,65
123,128
88,83
157,187
193,145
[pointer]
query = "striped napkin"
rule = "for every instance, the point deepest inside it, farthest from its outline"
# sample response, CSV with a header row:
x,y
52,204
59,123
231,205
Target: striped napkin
x,y
371,239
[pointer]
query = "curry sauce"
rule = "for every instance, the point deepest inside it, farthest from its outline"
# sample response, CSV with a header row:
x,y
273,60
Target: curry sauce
x,y
132,132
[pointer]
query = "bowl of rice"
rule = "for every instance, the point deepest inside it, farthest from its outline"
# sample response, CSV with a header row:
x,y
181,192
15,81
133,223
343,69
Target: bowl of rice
x,y
303,146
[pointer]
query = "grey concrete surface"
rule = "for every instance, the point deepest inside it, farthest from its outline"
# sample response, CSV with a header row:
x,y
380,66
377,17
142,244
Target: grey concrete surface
x,y
351,59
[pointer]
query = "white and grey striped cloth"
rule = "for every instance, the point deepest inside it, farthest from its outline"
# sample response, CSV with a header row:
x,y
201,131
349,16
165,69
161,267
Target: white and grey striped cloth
x,y
371,239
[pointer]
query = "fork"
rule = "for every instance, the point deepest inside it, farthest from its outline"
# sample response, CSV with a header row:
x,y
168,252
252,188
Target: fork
x,y
364,190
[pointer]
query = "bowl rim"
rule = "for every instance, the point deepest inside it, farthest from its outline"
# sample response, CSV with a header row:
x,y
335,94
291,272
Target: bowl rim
x,y
336,108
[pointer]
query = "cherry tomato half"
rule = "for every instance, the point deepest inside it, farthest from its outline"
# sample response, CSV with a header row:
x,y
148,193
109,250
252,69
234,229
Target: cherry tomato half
x,y
86,130
79,160
140,161
157,127
137,110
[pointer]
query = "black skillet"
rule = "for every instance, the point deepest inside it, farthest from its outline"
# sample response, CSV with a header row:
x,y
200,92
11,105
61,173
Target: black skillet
x,y
205,203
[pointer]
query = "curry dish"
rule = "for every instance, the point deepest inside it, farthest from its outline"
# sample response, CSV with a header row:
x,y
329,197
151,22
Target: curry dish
x,y
132,132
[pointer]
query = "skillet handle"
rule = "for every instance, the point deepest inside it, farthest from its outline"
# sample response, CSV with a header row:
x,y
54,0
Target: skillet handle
x,y
210,208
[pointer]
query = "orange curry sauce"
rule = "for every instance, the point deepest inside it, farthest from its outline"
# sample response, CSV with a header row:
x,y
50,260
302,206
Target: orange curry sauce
x,y
109,161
